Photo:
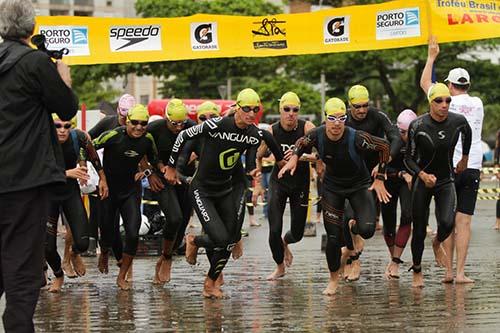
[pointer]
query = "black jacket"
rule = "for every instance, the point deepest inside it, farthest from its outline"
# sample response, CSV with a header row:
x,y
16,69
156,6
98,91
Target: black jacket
x,y
30,90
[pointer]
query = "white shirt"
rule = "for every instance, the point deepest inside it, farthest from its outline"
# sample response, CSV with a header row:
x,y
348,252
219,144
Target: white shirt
x,y
472,109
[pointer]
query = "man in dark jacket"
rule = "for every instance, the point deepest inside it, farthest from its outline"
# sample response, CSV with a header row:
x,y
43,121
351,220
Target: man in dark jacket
x,y
31,88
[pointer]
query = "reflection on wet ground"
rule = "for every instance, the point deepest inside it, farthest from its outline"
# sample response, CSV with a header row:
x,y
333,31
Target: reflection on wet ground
x,y
293,304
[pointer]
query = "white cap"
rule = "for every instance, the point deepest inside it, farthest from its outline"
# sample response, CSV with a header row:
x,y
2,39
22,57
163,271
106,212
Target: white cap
x,y
458,76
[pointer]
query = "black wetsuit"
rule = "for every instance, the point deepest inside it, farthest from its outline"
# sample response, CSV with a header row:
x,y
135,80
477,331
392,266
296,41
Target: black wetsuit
x,y
122,155
398,188
295,188
346,177
211,188
173,199
95,204
375,123
430,149
67,199
497,164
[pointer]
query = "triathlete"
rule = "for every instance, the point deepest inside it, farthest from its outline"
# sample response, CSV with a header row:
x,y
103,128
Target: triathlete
x,y
67,199
467,182
211,188
172,198
429,157
398,184
346,177
296,188
124,147
125,103
365,118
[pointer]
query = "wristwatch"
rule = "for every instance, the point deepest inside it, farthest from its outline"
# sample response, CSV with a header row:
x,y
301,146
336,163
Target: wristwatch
x,y
147,172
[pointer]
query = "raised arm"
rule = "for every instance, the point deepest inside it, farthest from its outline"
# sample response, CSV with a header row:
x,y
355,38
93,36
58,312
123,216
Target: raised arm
x,y
432,53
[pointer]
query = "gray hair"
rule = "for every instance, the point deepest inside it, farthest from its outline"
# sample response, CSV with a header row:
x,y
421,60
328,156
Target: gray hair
x,y
17,19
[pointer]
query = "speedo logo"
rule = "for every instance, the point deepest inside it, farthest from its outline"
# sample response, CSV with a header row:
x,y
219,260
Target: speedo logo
x,y
235,137
199,203
135,38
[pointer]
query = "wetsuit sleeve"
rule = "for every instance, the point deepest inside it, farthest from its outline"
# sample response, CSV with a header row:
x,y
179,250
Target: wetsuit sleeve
x,y
90,151
98,129
306,142
103,140
250,158
152,152
466,132
410,159
272,145
189,134
392,134
185,154
367,142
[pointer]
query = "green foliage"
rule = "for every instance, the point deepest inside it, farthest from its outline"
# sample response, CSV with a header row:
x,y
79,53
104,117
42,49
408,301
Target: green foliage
x,y
88,87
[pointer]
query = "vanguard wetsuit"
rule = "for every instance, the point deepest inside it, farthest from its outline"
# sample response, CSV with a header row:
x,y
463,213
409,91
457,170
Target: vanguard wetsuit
x,y
122,155
173,199
295,188
430,149
346,177
211,187
67,199
398,189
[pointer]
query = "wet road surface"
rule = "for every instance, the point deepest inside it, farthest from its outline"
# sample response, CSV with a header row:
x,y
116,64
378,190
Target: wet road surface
x,y
293,304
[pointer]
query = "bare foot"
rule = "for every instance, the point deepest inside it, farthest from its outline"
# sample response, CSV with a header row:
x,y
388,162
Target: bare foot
x,y
78,264
220,281
122,283
463,279
393,270
418,280
288,259
68,269
156,279
497,226
279,272
331,288
210,290
103,262
439,253
165,269
387,272
191,250
378,226
57,284
130,274
359,243
237,251
355,271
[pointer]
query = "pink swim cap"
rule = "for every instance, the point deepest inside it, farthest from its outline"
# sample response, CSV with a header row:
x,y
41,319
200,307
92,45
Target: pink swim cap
x,y
125,103
405,118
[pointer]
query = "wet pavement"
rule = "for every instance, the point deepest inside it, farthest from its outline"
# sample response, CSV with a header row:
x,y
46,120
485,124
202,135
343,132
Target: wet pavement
x,y
292,304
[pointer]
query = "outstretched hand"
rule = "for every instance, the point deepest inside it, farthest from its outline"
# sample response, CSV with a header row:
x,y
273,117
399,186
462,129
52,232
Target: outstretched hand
x,y
379,188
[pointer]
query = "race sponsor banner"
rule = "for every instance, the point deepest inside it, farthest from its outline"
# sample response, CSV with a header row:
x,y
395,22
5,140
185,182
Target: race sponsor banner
x,y
393,24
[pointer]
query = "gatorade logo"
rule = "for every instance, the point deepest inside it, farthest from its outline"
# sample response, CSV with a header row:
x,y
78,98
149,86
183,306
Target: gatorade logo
x,y
135,38
204,36
398,23
228,158
336,30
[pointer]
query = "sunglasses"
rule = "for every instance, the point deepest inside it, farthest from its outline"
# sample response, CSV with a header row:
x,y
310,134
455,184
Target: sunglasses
x,y
178,123
65,126
359,106
288,109
341,119
204,117
247,109
138,122
440,100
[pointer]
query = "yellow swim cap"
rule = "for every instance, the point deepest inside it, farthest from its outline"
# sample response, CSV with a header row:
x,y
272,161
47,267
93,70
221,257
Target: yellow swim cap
x,y
358,94
438,90
335,106
248,97
138,112
73,120
290,98
207,107
176,110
